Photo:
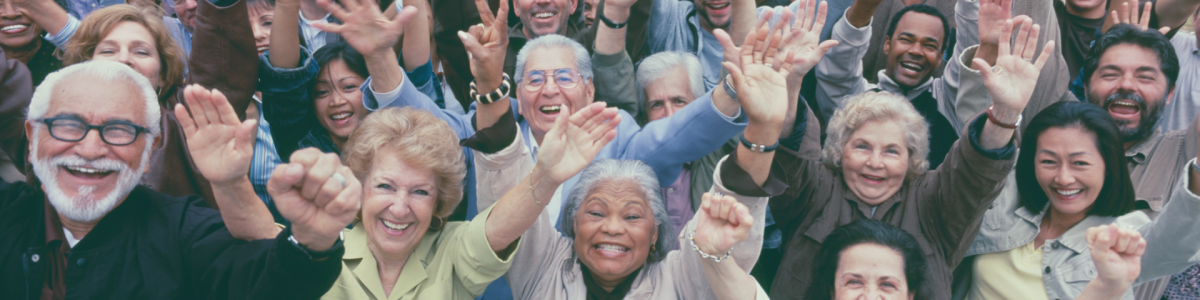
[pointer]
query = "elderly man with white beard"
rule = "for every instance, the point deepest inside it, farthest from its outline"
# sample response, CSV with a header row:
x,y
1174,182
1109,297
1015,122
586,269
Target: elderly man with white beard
x,y
86,229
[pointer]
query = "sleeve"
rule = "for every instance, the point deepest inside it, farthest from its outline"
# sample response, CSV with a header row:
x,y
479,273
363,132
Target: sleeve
x,y
422,78
224,53
476,264
1172,241
966,18
954,197
60,39
687,261
407,95
287,104
695,131
840,71
663,25
615,81
228,268
16,92
808,179
972,97
496,173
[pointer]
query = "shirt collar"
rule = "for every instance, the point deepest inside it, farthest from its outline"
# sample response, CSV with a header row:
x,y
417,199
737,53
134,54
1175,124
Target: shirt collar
x,y
1076,237
367,269
1141,150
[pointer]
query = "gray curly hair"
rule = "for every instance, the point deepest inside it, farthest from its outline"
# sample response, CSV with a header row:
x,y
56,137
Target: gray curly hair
x,y
627,172
871,106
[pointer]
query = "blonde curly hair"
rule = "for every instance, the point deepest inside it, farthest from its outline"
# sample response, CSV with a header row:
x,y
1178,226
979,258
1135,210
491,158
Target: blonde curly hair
x,y
873,106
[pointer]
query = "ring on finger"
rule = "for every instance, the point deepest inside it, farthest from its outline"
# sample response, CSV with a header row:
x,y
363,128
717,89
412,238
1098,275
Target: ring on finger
x,y
1027,59
768,65
341,179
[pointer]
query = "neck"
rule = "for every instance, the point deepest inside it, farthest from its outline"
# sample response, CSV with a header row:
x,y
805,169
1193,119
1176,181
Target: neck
x,y
310,10
708,27
608,285
1059,222
78,229
26,53
389,267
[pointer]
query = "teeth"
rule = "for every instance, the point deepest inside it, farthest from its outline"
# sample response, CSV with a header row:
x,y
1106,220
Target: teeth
x,y
543,15
910,66
13,27
1125,103
873,177
341,116
85,170
551,108
263,48
718,6
394,226
1068,192
608,247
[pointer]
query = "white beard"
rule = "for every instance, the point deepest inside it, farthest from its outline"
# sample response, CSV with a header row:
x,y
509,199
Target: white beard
x,y
85,206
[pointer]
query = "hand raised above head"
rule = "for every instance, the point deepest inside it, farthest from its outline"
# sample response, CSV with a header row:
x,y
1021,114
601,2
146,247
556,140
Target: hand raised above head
x,y
992,14
760,74
487,46
575,139
364,26
1128,14
221,145
721,223
1011,82
803,39
317,194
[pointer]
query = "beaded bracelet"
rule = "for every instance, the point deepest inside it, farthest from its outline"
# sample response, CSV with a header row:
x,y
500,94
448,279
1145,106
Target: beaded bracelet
x,y
714,258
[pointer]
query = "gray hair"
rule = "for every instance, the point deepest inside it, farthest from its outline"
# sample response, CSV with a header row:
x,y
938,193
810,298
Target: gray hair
x,y
660,65
872,106
107,72
625,172
583,61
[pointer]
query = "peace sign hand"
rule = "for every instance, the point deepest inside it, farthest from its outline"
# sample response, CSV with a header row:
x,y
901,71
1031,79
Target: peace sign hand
x,y
487,46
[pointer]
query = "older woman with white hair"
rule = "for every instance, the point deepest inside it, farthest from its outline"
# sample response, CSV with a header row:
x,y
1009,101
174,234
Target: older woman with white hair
x,y
873,166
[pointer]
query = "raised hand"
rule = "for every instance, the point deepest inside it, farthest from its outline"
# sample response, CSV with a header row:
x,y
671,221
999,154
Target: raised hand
x,y
1011,81
221,146
721,223
487,46
1128,14
802,39
760,79
317,194
992,14
1117,253
573,142
364,26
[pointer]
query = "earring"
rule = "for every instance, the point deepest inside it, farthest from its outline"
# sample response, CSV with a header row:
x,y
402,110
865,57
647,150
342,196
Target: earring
x,y
437,223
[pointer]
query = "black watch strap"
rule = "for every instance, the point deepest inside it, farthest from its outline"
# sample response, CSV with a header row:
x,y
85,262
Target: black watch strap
x,y
757,147
315,255
610,23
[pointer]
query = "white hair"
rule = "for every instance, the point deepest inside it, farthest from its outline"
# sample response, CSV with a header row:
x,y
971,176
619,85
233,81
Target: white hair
x,y
108,72
633,172
583,61
658,66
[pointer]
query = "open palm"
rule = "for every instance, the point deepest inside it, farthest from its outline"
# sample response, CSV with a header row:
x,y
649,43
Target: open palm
x,y
364,26
761,85
992,14
574,141
721,223
1010,83
220,145
803,39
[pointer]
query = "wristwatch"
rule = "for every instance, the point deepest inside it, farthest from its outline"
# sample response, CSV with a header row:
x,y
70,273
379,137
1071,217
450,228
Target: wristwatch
x,y
499,93
729,90
315,255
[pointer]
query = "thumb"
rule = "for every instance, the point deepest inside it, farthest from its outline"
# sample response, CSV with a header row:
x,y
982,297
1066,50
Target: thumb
x,y
983,68
470,42
284,178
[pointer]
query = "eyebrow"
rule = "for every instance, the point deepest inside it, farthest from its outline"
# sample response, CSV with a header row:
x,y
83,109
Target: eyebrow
x,y
81,118
927,39
1068,155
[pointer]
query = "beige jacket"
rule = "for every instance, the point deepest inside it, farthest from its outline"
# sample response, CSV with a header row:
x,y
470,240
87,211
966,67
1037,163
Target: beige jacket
x,y
547,267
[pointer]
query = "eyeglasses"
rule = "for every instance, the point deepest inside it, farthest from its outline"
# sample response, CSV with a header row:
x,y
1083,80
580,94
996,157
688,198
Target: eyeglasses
x,y
72,129
565,78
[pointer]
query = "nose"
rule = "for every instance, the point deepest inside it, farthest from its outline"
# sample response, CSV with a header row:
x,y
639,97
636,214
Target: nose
x,y
551,88
92,146
260,34
399,206
339,98
612,225
670,111
125,57
875,161
1064,176
1128,83
8,10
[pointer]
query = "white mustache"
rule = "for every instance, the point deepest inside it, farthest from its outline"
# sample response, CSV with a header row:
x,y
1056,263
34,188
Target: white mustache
x,y
76,161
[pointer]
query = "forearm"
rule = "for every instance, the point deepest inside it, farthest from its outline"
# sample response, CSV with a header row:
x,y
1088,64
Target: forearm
x,y
385,73
993,136
416,36
728,281
757,164
285,37
609,40
793,93
47,15
245,215
724,103
1099,290
1174,13
518,209
745,17
859,14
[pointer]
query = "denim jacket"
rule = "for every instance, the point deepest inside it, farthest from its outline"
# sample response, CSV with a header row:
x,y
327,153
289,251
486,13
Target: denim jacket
x,y
1172,240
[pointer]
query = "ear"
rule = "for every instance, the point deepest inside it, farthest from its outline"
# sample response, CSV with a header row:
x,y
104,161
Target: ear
x,y
515,8
887,42
573,4
1170,95
29,139
589,90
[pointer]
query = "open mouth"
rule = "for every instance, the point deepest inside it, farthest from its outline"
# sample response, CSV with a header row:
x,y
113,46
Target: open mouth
x,y
872,179
1124,109
911,67
262,49
87,173
545,15
717,6
341,118
610,250
551,109
395,228
14,28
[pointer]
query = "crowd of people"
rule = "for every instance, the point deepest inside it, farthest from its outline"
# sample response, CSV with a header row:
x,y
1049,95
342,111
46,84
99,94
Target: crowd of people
x,y
600,149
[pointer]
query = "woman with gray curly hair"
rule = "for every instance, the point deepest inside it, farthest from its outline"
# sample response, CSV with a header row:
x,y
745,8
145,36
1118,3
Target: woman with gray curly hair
x,y
874,167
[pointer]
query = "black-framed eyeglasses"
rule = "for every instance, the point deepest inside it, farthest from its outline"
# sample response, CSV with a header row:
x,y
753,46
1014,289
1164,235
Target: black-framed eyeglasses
x,y
72,129
565,78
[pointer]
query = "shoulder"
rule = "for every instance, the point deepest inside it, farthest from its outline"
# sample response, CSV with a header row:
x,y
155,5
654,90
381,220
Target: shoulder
x,y
18,195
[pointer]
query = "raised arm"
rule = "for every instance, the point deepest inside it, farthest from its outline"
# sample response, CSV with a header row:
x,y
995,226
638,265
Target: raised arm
x,y
1128,13
224,56
840,73
487,46
569,147
1174,13
722,221
16,92
285,37
416,36
615,80
1010,83
45,13
801,40
366,30
222,149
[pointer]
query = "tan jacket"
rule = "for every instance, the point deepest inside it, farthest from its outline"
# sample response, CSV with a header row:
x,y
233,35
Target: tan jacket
x,y
547,267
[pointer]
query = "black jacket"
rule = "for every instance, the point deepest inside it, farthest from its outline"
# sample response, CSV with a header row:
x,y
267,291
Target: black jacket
x,y
154,246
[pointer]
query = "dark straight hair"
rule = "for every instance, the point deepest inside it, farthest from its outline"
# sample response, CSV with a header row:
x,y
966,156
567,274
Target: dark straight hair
x,y
924,9
867,231
1116,197
340,50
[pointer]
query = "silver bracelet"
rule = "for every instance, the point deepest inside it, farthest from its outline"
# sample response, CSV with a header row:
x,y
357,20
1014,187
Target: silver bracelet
x,y
714,258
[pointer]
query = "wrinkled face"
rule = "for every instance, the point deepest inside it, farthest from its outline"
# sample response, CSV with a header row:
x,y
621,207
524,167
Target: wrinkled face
x,y
668,95
1069,168
261,17
589,11
16,29
915,49
398,203
185,10
542,17
338,101
541,106
84,180
870,271
131,44
875,160
614,229
714,13
1129,83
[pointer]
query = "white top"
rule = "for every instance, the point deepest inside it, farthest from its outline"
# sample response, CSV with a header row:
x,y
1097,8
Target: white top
x,y
312,35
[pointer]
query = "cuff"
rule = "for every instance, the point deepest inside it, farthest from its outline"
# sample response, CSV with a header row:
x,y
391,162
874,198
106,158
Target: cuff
x,y
493,139
966,58
60,40
387,95
602,60
738,181
275,79
793,141
421,75
304,270
845,33
976,129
